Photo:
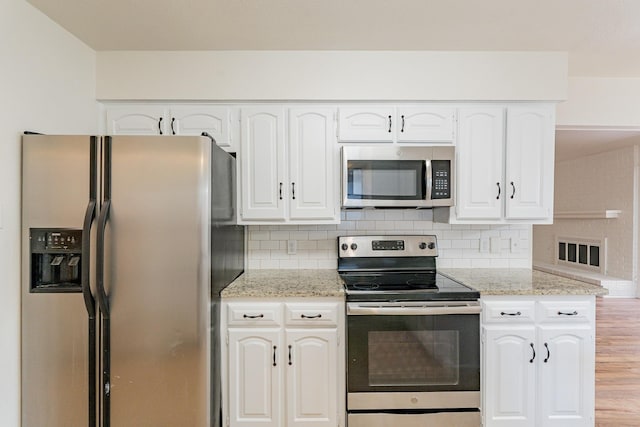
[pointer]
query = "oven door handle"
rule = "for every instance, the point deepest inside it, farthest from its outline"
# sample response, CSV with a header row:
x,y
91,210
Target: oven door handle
x,y
354,309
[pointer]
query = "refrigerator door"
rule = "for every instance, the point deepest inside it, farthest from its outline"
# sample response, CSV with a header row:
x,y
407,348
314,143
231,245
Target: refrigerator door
x,y
57,335
157,281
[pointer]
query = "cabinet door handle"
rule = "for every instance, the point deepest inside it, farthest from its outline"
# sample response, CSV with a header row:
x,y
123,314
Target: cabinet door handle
x,y
290,362
293,190
173,130
548,353
504,313
514,189
315,316
389,124
562,313
253,316
280,191
534,353
274,355
402,128
160,125
499,191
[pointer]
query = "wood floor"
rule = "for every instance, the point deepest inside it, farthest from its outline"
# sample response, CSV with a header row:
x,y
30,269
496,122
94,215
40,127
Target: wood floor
x,y
617,362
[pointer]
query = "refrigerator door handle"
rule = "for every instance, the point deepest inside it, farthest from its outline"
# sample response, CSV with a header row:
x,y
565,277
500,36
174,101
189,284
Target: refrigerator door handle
x,y
89,301
101,294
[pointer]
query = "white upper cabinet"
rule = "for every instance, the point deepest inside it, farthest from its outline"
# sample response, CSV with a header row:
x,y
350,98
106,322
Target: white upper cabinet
x,y
263,169
425,124
292,177
366,124
174,119
529,164
402,124
505,164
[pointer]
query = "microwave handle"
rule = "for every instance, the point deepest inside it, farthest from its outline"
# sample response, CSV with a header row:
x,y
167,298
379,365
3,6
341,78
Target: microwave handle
x,y
429,180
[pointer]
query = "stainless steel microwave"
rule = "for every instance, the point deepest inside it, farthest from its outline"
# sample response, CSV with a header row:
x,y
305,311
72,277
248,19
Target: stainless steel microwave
x,y
392,176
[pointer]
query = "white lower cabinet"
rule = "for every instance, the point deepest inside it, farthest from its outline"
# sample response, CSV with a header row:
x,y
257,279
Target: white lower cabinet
x,y
284,364
538,362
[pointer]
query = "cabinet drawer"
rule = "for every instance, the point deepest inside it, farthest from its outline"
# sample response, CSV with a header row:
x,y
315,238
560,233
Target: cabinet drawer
x,y
308,314
267,314
565,311
508,311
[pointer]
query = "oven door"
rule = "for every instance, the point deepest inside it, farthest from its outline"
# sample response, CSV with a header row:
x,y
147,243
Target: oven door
x,y
413,355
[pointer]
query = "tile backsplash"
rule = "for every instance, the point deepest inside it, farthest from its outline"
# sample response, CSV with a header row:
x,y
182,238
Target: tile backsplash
x,y
316,245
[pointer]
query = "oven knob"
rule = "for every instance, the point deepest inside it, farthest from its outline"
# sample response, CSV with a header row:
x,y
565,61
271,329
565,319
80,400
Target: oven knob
x,y
344,246
354,246
414,400
431,245
422,245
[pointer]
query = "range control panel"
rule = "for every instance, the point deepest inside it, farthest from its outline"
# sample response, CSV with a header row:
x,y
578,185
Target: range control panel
x,y
387,246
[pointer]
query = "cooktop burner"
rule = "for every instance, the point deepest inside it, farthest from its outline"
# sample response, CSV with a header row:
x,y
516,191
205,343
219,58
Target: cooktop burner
x,y
395,268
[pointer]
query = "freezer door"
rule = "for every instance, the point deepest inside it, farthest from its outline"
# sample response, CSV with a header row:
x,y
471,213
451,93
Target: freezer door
x,y
56,178
157,281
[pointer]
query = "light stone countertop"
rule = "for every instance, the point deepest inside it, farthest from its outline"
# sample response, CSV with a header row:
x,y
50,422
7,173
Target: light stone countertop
x,y
285,283
520,281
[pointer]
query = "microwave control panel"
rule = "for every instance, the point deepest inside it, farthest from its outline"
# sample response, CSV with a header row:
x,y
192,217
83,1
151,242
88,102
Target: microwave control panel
x,y
441,179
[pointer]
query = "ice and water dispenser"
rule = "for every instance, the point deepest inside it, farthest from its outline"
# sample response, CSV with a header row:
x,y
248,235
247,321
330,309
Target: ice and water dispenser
x,y
56,260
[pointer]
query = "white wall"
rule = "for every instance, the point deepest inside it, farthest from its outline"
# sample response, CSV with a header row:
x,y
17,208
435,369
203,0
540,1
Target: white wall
x,y
331,75
459,245
601,102
47,84
598,182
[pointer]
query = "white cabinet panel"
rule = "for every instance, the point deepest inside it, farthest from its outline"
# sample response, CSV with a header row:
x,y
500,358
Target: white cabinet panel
x,y
366,124
254,380
509,381
311,377
193,120
263,160
425,124
137,120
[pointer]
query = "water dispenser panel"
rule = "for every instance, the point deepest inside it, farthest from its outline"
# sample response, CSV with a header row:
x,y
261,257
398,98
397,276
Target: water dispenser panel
x,y
56,260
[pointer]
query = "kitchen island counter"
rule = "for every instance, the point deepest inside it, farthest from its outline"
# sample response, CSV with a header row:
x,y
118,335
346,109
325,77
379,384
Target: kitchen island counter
x,y
520,281
285,283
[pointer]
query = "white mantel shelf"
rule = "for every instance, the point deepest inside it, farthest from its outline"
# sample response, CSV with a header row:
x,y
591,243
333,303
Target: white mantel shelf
x,y
601,214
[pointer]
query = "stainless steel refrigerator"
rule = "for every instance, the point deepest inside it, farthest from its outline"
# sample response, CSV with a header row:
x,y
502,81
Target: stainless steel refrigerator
x,y
126,245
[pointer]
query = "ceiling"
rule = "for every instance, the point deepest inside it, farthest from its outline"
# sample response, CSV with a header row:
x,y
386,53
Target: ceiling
x,y
573,143
602,37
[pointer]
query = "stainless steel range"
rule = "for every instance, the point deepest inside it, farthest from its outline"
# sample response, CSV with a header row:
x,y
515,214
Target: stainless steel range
x,y
413,335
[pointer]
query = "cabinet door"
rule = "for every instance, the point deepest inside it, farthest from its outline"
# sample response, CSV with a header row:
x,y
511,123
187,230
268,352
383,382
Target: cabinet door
x,y
137,120
425,124
479,154
312,373
529,162
255,390
509,376
366,124
567,376
195,119
312,152
263,169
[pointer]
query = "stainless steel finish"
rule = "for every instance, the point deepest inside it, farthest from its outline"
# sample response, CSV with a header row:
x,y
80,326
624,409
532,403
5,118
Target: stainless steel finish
x,y
54,326
364,248
398,153
158,289
413,308
443,419
417,400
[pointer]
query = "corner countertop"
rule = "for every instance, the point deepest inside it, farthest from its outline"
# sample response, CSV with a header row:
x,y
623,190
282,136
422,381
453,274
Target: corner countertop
x,y
285,283
520,281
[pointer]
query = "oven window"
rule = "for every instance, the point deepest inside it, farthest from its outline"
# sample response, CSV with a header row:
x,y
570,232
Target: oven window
x,y
414,358
386,179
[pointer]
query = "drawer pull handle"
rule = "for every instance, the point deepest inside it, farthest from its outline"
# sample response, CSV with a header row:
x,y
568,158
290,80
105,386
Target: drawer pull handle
x,y
315,316
504,313
562,313
253,316
274,355
548,353
534,353
499,191
290,362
